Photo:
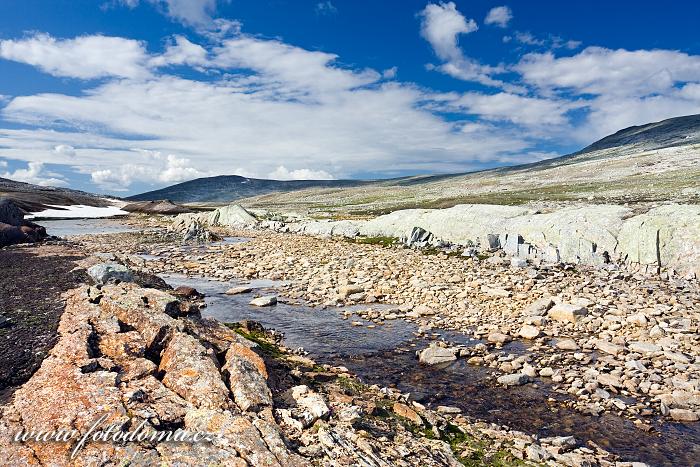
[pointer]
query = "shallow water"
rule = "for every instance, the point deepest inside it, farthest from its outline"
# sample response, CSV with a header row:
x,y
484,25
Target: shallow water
x,y
385,355
69,227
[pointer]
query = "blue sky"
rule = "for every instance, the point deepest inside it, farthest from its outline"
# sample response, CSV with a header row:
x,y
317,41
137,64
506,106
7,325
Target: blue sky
x,y
122,96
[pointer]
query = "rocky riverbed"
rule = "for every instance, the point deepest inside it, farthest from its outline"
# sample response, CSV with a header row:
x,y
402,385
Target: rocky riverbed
x,y
612,341
608,352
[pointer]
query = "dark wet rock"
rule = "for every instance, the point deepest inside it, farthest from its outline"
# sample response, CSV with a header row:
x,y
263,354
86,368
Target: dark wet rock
x,y
10,213
14,229
187,292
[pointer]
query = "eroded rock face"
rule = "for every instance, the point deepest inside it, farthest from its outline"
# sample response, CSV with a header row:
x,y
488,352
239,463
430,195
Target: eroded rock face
x,y
114,346
192,372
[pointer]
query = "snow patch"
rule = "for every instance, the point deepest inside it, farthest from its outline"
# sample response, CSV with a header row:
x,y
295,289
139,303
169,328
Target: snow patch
x,y
78,211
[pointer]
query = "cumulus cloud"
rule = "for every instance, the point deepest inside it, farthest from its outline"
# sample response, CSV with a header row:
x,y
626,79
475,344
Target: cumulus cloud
x,y
155,167
390,73
282,173
597,70
619,88
294,68
271,109
84,57
64,150
521,110
181,52
441,26
34,173
499,16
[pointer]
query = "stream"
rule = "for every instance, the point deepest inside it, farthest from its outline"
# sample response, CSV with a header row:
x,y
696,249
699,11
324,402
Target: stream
x,y
385,355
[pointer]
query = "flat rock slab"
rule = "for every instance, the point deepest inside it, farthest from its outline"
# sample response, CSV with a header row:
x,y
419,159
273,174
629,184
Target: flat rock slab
x,y
268,300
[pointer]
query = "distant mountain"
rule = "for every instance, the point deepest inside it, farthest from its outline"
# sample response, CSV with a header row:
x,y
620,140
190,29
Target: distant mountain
x,y
226,188
35,198
617,165
678,131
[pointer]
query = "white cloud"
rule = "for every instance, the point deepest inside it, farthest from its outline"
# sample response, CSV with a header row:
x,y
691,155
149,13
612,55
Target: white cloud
x,y
64,150
390,73
282,173
295,109
84,57
441,25
198,14
499,16
601,71
181,52
294,68
326,8
3,163
192,12
521,110
34,173
268,108
528,39
154,167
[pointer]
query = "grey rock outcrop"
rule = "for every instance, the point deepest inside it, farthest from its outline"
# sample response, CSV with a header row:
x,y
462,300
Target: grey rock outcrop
x,y
232,216
106,272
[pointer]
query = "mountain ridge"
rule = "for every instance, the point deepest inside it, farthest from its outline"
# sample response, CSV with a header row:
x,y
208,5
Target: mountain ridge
x,y
664,134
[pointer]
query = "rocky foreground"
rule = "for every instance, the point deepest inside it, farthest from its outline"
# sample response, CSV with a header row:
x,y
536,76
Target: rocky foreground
x,y
132,360
142,358
613,340
616,340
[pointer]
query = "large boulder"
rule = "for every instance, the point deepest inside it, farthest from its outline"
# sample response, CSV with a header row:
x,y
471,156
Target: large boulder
x,y
10,213
14,229
232,216
667,236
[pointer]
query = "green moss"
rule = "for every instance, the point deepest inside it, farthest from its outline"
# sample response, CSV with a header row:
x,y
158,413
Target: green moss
x,y
352,385
259,338
383,241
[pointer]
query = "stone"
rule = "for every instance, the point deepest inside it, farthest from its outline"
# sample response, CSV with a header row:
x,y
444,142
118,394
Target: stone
x,y
514,379
529,332
106,272
498,338
607,379
435,355
567,312
608,347
448,410
643,347
402,410
10,213
247,375
537,453
268,300
684,415
239,290
187,292
312,405
193,373
566,344
518,263
538,308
